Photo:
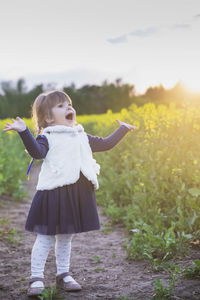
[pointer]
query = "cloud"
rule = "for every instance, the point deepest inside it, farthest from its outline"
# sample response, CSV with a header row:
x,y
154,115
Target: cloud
x,y
148,31
181,26
139,33
144,32
117,40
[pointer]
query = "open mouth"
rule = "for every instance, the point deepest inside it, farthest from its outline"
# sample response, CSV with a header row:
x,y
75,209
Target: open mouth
x,y
69,116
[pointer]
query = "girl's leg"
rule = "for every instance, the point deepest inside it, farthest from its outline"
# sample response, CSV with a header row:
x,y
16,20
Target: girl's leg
x,y
63,252
39,256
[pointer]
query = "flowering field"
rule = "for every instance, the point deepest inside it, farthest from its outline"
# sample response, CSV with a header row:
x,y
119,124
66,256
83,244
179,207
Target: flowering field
x,y
13,163
150,181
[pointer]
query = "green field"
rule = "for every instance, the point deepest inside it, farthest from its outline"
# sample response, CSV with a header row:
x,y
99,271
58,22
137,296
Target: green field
x,y
150,181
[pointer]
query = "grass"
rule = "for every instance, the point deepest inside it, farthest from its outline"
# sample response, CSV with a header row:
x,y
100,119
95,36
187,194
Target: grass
x,y
107,228
9,233
50,294
97,259
192,272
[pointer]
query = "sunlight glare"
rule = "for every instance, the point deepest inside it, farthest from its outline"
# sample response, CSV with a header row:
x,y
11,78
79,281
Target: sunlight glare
x,y
192,85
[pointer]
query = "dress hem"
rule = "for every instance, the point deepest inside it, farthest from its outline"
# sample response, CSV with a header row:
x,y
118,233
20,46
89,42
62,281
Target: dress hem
x,y
29,230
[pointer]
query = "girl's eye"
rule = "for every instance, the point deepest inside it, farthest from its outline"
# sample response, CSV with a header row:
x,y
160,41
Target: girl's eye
x,y
60,105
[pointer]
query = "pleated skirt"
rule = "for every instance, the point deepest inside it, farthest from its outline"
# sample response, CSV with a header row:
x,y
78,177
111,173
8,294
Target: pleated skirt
x,y
68,209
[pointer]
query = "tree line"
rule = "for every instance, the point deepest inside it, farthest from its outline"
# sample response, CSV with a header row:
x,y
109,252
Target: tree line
x,y
16,99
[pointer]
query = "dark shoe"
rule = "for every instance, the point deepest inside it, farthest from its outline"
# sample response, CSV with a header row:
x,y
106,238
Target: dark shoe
x,y
35,291
69,286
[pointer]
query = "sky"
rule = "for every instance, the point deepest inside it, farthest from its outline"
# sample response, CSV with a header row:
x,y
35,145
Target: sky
x,y
143,42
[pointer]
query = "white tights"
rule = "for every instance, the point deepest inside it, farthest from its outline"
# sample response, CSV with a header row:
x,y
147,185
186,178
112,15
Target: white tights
x,y
40,253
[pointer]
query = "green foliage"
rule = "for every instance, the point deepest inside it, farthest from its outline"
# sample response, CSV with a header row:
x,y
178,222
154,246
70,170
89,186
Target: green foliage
x,y
150,181
152,244
163,266
13,164
9,233
16,100
193,272
162,292
97,99
89,99
107,228
97,258
50,294
23,278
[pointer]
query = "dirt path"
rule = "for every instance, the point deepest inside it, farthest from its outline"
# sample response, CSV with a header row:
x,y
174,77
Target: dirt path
x,y
114,277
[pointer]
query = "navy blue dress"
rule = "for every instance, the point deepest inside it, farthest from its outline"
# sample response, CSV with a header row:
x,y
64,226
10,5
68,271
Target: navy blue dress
x,y
71,208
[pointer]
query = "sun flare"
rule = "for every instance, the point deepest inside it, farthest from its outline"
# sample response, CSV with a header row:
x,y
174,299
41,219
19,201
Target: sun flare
x,y
192,85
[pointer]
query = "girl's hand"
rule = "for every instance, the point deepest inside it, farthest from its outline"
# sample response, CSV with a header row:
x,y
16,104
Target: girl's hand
x,y
131,127
17,125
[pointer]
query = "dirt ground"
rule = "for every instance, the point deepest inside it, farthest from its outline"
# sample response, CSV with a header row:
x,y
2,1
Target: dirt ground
x,y
109,276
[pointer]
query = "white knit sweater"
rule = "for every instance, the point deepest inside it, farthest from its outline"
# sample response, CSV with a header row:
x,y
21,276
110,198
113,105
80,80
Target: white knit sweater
x,y
69,153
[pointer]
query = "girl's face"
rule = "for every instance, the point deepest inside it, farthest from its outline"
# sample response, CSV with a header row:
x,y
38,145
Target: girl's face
x,y
64,114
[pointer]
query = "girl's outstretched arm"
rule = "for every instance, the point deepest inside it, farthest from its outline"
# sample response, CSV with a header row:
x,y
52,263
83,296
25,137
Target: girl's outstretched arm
x,y
36,148
98,144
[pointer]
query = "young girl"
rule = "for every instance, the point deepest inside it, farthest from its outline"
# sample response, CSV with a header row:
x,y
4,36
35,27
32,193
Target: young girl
x,y
65,201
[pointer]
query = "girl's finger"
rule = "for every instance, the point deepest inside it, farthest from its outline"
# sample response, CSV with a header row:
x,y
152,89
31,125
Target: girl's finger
x,y
6,129
13,120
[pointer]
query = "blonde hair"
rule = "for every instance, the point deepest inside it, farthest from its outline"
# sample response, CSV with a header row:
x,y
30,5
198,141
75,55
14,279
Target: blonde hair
x,y
42,107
